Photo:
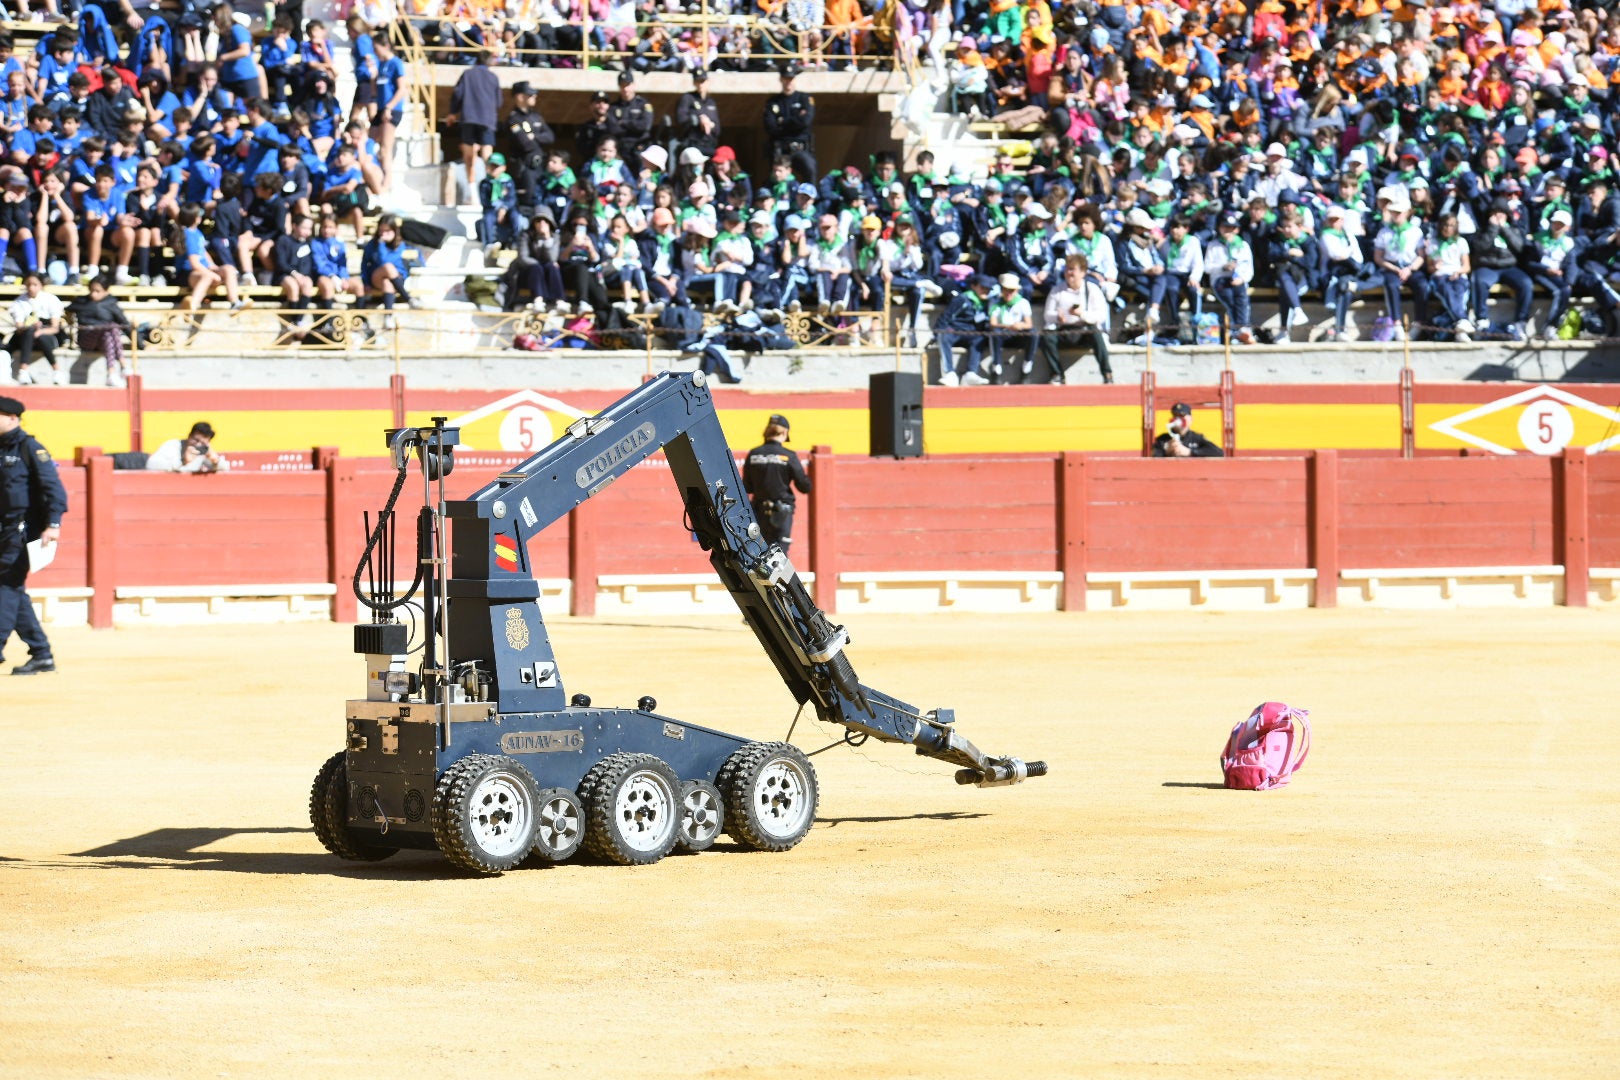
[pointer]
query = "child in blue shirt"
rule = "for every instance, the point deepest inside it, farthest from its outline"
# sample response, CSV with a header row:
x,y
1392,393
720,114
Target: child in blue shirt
x,y
363,53
58,65
196,267
98,211
203,175
280,57
382,266
345,190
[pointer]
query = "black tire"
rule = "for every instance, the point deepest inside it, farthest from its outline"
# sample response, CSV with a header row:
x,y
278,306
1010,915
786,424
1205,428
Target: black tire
x,y
770,794
560,825
329,814
632,808
484,812
703,816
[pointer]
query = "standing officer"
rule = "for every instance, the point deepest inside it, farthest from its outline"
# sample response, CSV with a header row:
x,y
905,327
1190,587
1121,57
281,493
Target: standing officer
x,y
590,134
530,135
32,503
769,476
789,121
630,121
697,116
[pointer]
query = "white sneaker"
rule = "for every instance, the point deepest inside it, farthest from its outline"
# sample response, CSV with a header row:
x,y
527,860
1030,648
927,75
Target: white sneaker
x,y
1296,317
1465,326
929,289
25,377
949,379
388,321
973,378
122,276
1153,314
63,377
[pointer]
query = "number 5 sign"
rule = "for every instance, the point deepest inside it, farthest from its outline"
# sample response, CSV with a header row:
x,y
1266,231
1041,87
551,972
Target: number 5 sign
x,y
1543,420
520,422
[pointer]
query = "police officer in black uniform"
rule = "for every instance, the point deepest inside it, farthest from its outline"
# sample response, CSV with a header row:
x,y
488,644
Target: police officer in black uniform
x,y
630,122
530,135
697,117
590,134
789,121
32,503
769,476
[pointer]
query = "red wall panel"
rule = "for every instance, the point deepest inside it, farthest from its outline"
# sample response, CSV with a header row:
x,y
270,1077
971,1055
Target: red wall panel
x,y
1604,509
1157,514
239,529
1446,512
947,514
69,569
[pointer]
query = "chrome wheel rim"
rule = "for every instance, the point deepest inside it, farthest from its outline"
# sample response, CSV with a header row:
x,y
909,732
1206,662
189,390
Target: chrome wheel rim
x,y
558,825
700,816
500,815
644,810
782,798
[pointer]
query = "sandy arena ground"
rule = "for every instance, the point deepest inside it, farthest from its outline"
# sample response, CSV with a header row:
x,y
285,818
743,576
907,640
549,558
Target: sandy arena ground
x,y
1435,896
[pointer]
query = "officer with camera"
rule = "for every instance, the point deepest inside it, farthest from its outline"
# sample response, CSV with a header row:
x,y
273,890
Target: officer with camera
x,y
770,474
32,503
1180,440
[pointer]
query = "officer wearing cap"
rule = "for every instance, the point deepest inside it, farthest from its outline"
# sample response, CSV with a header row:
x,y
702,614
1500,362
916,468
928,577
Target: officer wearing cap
x,y
770,474
32,503
630,121
1180,440
530,135
697,116
589,135
790,118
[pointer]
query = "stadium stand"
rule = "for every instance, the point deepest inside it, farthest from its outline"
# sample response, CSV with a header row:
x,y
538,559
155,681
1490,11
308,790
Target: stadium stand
x,y
978,174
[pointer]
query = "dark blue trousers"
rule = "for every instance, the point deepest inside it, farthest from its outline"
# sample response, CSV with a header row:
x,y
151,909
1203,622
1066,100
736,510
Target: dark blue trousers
x,y
16,610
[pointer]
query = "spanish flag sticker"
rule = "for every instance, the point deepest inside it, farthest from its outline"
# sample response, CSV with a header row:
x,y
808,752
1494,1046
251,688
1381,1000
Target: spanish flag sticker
x,y
506,553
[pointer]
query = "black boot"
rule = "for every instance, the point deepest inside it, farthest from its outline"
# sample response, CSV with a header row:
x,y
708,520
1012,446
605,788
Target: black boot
x,y
35,665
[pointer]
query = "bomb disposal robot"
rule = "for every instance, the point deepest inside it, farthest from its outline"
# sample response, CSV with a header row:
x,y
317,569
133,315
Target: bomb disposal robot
x,y
480,753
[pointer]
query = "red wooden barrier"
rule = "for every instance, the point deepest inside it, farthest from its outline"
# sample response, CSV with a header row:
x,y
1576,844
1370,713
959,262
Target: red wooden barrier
x,y
1495,511
1196,514
1572,521
986,513
1323,476
1074,513
1603,509
824,526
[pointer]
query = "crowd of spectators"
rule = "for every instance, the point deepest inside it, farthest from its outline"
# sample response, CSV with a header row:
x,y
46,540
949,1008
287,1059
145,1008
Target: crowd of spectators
x,y
154,146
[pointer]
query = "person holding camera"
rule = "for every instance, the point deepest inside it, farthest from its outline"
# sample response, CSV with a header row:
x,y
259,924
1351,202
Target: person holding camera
x,y
1076,316
1180,440
193,454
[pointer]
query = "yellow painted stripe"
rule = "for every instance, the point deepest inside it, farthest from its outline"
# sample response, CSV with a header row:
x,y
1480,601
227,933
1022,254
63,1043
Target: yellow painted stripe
x,y
61,432
1301,427
355,432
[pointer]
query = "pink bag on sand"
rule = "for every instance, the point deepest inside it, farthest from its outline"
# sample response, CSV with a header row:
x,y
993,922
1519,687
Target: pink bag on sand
x,y
1267,748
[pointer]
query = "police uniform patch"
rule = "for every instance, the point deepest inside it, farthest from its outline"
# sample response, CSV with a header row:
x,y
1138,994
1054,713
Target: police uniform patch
x,y
43,454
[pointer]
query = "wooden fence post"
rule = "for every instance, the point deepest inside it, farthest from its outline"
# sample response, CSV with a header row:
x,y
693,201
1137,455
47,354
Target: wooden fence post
x,y
1322,495
1574,547
100,533
582,558
824,527
1073,494
343,522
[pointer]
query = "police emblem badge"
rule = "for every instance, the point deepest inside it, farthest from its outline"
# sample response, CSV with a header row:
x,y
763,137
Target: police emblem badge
x,y
517,631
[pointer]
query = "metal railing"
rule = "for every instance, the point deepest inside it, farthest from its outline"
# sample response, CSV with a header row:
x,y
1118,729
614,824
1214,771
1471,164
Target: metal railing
x,y
814,48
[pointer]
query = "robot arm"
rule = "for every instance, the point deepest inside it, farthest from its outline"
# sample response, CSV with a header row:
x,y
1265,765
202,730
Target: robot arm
x,y
675,414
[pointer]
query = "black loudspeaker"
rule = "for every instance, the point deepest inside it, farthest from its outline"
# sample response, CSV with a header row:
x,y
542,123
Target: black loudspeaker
x,y
422,234
895,399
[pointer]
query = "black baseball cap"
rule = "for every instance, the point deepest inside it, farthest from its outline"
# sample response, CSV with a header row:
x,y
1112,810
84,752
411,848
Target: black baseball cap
x,y
522,86
700,75
626,78
779,420
600,95
10,406
1181,408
